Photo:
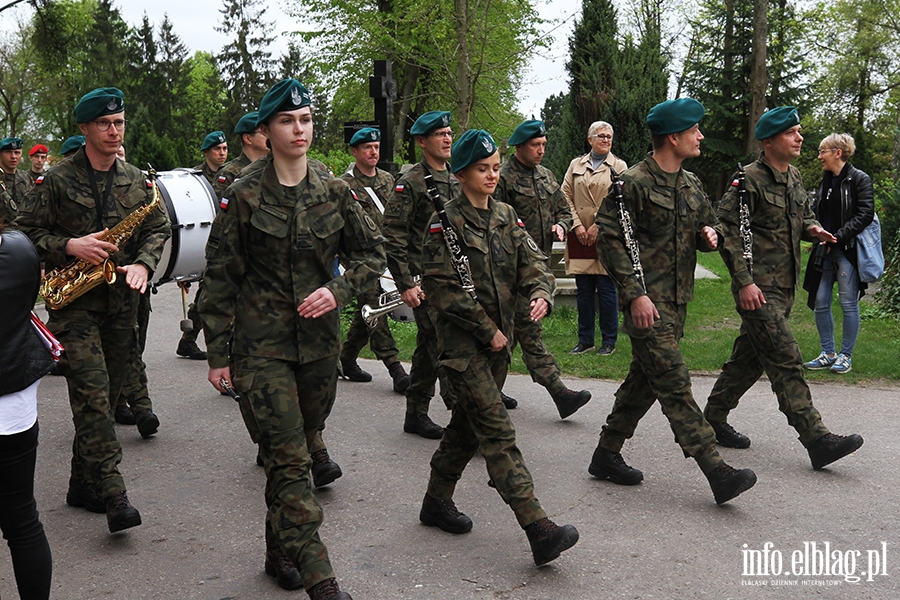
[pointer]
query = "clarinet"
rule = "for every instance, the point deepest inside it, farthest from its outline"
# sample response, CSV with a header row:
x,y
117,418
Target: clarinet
x,y
457,257
631,243
746,233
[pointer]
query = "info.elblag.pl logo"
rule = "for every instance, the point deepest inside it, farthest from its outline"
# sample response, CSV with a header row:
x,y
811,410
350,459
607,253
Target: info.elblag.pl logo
x,y
813,564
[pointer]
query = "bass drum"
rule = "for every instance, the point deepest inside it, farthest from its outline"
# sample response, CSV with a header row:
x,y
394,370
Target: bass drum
x,y
402,313
190,203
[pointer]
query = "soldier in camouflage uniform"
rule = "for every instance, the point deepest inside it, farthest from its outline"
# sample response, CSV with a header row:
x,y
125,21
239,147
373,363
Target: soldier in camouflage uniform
x,y
372,186
473,339
406,217
15,181
763,289
215,153
64,216
38,156
271,320
532,191
253,147
671,219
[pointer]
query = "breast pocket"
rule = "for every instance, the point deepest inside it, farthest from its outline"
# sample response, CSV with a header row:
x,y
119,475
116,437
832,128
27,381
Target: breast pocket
x,y
659,214
770,213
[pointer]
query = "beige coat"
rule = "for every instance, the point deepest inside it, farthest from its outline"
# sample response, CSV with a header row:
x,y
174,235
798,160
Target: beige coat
x,y
585,189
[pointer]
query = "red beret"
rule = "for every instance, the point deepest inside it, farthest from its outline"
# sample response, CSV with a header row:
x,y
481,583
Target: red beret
x,y
38,148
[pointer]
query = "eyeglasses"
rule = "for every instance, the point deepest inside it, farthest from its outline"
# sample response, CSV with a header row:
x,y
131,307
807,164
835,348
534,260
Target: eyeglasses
x,y
602,136
442,134
119,124
824,150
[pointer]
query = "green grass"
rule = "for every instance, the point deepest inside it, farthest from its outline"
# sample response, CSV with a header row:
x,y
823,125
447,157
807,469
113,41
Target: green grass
x,y
711,327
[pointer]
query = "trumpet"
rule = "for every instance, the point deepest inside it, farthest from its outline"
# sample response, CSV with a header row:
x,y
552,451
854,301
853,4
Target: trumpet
x,y
387,302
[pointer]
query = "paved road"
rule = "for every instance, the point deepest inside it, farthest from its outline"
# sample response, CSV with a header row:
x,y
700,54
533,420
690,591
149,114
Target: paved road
x,y
200,495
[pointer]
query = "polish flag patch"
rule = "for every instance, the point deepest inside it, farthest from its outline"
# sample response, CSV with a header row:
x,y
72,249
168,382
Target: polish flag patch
x,y
436,228
355,197
39,180
149,183
521,224
735,183
221,178
399,188
223,203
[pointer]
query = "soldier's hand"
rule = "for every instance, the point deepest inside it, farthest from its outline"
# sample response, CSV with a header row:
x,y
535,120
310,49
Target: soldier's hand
x,y
643,312
559,231
751,297
412,297
317,304
90,248
710,237
538,309
499,341
136,276
216,375
822,235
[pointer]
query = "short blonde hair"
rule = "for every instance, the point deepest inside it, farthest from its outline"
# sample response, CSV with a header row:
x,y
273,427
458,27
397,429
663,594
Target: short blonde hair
x,y
843,141
597,126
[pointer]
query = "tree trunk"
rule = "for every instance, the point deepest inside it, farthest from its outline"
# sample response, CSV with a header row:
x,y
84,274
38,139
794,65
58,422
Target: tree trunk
x,y
758,78
463,75
401,139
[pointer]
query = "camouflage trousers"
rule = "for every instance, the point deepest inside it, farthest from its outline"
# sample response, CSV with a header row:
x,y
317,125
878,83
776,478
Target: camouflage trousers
x,y
94,364
766,344
541,364
378,337
424,369
134,389
193,315
481,422
284,405
658,372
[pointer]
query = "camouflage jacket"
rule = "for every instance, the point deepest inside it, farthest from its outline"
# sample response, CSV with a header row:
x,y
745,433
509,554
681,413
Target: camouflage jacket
x,y
61,206
228,173
207,172
7,215
505,262
407,215
16,186
265,255
382,185
666,221
780,216
537,198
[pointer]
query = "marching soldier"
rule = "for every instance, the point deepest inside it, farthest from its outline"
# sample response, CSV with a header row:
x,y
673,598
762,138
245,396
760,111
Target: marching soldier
x,y
65,215
532,190
253,147
372,186
215,153
38,156
15,181
71,145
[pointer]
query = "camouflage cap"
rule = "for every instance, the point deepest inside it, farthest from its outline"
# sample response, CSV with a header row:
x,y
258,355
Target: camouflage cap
x,y
38,148
284,96
72,144
213,139
527,130
673,116
471,146
434,119
247,123
775,121
11,143
98,103
365,135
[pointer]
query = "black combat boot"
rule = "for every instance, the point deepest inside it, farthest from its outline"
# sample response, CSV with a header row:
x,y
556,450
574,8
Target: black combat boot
x,y
120,514
327,590
82,495
324,470
444,514
283,569
147,422
400,377
123,414
606,464
423,425
569,401
190,350
831,447
353,372
508,402
727,482
728,437
548,540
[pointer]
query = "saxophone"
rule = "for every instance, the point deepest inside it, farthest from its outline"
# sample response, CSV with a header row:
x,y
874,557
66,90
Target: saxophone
x,y
63,285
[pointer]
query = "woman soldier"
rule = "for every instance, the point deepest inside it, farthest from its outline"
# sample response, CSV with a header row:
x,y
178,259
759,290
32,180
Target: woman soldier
x,y
474,350
269,270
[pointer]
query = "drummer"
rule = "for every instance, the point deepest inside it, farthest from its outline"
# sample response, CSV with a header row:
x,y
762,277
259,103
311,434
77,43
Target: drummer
x,y
372,186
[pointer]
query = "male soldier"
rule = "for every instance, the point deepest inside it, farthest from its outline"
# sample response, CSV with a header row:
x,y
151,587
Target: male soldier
x,y
406,217
763,288
65,215
532,190
16,182
671,219
71,145
215,153
38,156
253,147
372,187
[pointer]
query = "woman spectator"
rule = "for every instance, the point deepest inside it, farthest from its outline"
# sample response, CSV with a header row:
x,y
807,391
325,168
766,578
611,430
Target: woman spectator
x,y
585,185
844,205
23,361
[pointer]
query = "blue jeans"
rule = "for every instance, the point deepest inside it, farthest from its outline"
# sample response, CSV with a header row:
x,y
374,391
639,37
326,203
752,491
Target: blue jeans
x,y
838,268
586,286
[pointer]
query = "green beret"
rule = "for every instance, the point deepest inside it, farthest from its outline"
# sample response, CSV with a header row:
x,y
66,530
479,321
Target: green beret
x,y
284,96
98,103
528,130
674,116
247,124
213,139
434,119
365,135
775,121
71,144
11,143
471,146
